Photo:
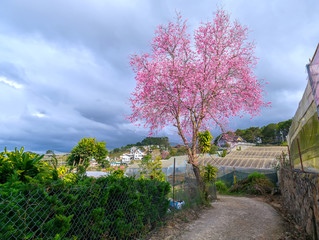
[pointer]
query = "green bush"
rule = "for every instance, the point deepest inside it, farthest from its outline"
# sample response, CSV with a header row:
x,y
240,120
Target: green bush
x,y
209,173
221,187
103,208
21,166
255,175
255,183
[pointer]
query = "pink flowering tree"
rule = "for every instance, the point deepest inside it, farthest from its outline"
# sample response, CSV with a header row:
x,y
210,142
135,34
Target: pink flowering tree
x,y
195,83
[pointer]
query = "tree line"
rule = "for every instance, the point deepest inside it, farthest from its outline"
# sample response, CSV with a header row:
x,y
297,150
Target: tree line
x,y
163,142
270,134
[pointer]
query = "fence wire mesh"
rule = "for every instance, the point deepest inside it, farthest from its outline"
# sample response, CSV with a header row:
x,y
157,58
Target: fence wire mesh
x,y
186,187
117,211
229,175
124,209
183,180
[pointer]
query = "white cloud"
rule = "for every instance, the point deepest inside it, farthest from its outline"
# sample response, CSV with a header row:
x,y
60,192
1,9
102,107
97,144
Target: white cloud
x,y
10,83
39,115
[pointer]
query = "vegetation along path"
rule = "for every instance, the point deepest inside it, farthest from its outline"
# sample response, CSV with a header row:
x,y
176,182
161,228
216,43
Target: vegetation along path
x,y
236,218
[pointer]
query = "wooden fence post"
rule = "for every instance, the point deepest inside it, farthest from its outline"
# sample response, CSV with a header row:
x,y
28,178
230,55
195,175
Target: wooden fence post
x,y
290,162
300,155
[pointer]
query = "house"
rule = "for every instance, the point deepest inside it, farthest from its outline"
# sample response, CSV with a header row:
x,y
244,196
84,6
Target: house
x,y
229,140
115,164
135,154
126,158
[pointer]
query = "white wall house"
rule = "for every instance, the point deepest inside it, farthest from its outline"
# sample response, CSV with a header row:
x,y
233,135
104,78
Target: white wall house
x,y
138,155
135,154
126,158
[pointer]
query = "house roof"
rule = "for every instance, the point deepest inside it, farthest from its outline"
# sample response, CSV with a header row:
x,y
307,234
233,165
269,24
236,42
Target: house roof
x,y
231,137
125,155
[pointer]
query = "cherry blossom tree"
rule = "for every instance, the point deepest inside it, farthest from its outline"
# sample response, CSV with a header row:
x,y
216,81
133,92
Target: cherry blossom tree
x,y
196,83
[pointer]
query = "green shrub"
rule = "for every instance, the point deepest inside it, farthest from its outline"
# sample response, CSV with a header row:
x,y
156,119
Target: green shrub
x,y
223,154
209,173
21,166
119,173
221,187
255,175
103,208
255,183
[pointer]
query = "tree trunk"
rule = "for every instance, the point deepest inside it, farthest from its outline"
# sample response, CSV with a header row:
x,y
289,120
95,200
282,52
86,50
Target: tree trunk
x,y
199,178
193,160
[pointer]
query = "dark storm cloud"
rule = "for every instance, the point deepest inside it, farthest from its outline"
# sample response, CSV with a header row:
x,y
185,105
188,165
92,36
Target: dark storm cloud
x,y
64,65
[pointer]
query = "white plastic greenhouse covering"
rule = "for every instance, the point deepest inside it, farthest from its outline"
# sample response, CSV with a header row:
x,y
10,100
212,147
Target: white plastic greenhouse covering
x,y
167,166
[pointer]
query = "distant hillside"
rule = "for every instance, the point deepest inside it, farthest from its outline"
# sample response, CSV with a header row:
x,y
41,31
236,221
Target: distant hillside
x,y
272,133
162,142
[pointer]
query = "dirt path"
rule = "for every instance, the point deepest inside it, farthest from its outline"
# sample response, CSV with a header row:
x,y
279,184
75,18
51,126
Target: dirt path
x,y
235,218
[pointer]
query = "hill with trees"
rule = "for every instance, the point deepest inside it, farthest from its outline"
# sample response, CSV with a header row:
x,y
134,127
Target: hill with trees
x,y
273,133
162,142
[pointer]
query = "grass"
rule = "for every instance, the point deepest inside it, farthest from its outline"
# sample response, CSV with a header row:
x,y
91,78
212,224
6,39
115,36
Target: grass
x,y
255,183
222,189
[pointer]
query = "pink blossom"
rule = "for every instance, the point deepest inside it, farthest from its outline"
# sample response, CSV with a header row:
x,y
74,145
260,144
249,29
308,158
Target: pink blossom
x,y
196,83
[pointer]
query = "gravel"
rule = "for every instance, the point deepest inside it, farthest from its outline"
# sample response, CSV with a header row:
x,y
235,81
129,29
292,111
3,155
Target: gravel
x,y
235,218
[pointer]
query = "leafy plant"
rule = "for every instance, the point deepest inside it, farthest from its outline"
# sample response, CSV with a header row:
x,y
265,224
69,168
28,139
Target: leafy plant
x,y
103,208
204,141
221,187
213,149
70,177
223,154
86,149
151,168
119,173
255,175
255,183
209,173
54,164
21,166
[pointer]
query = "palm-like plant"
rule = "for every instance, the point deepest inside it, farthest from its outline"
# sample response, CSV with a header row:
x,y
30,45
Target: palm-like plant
x,y
26,165
6,168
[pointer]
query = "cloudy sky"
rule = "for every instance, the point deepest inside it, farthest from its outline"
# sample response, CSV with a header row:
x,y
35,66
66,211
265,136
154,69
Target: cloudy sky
x,y
64,68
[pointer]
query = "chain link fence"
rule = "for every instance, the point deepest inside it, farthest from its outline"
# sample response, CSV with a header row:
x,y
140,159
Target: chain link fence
x,y
183,182
125,209
229,175
186,188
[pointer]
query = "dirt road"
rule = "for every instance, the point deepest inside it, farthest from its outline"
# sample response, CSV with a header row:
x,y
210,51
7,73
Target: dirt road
x,y
235,218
